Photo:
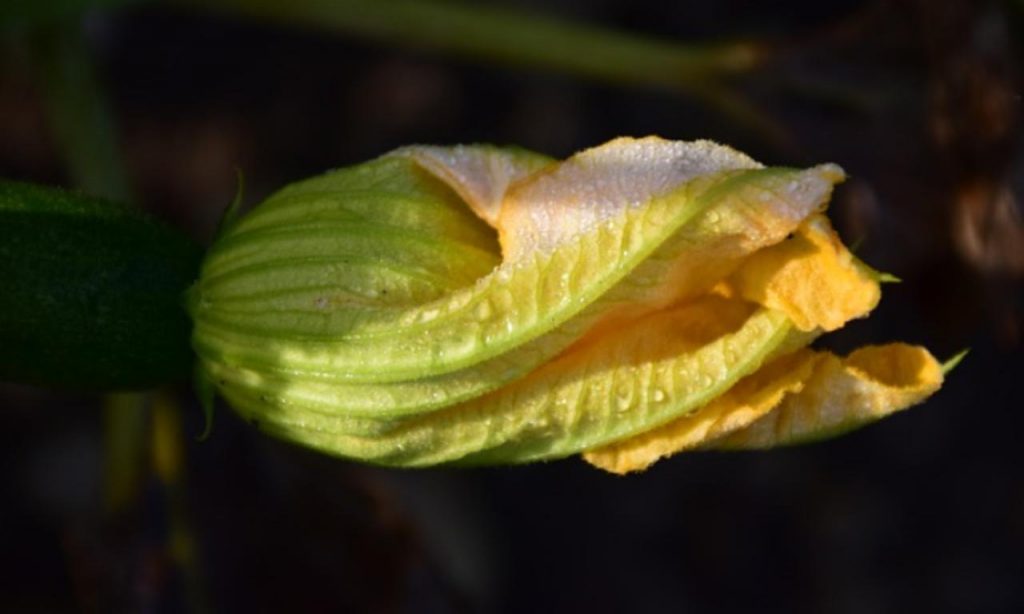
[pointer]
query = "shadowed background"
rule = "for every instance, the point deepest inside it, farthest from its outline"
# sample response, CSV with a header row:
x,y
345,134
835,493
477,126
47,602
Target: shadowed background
x,y
920,102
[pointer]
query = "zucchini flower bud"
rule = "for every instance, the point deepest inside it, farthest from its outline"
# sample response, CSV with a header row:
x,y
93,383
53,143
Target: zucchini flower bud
x,y
482,305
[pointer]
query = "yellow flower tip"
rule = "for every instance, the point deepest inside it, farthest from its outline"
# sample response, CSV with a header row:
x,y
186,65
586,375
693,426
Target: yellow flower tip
x,y
842,395
812,277
898,366
797,398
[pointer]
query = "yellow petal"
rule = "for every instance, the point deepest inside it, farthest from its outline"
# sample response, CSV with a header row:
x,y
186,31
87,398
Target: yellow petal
x,y
843,394
800,397
818,284
748,400
600,184
721,239
811,277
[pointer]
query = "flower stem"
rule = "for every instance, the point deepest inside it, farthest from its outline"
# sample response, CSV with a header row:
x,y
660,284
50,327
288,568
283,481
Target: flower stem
x,y
508,36
79,112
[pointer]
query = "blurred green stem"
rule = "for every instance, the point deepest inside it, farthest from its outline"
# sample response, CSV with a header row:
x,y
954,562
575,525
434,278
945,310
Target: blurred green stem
x,y
503,35
125,421
79,112
168,461
499,33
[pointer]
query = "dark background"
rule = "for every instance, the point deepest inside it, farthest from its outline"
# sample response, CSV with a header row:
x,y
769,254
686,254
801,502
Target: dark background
x,y
919,101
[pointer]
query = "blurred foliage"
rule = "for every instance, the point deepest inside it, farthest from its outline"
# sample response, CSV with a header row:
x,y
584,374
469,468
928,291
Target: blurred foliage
x,y
78,110
920,100
497,33
22,13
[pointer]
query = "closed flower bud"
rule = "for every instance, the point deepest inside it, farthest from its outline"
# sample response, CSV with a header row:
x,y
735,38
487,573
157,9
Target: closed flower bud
x,y
480,305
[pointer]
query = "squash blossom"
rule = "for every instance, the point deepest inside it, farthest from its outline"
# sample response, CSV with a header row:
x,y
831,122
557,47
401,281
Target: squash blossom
x,y
484,305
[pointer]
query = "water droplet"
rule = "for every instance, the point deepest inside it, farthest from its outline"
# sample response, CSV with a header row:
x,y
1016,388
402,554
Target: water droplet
x,y
714,217
483,309
459,345
623,397
658,395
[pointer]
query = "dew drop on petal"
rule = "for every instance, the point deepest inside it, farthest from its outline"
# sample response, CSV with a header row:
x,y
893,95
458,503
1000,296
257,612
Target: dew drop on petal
x,y
622,403
483,310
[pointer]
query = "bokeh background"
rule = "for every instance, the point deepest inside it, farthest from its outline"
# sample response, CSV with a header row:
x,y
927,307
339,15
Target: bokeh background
x,y
110,505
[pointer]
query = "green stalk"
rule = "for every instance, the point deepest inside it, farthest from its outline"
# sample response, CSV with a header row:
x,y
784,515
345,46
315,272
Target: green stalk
x,y
168,461
503,35
506,35
79,112
125,422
